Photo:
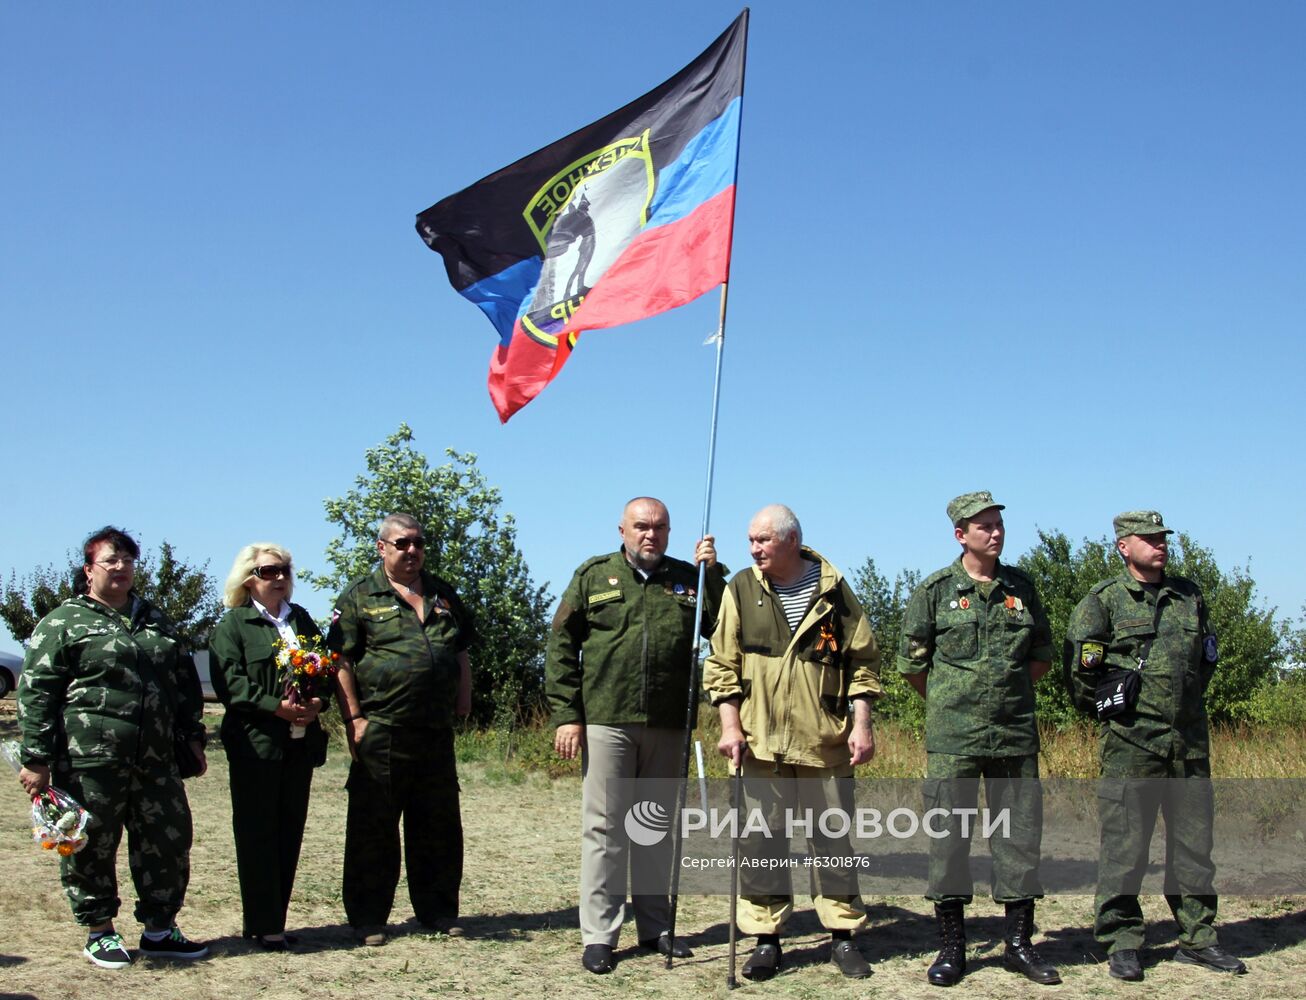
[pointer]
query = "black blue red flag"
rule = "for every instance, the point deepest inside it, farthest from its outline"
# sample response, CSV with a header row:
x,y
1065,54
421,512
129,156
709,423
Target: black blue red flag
x,y
622,219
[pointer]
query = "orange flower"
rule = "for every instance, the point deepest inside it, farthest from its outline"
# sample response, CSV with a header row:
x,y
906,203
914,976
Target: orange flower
x,y
47,845
311,669
66,849
334,657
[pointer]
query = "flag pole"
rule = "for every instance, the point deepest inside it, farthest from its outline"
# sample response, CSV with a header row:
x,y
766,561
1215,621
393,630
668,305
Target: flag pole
x,y
693,698
690,710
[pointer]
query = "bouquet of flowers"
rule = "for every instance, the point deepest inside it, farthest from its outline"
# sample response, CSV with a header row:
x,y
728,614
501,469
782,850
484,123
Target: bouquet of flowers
x,y
306,673
58,820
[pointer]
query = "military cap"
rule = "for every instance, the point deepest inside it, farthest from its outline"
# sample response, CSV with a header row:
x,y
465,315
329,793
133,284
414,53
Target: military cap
x,y
969,504
1140,522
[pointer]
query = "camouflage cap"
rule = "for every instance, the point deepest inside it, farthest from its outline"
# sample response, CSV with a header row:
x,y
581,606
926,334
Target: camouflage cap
x,y
1140,522
969,504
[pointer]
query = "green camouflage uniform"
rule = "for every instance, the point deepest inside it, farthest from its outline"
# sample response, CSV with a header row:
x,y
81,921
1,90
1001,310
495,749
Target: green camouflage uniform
x,y
101,695
979,720
407,676
1164,737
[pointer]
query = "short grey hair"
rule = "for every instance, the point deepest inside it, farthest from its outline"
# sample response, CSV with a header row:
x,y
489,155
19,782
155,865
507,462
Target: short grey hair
x,y
782,520
402,521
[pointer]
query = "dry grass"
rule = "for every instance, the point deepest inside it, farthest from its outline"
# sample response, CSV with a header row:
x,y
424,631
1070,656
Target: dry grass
x,y
520,900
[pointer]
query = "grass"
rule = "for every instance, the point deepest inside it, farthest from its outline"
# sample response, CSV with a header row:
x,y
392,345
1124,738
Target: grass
x,y
521,811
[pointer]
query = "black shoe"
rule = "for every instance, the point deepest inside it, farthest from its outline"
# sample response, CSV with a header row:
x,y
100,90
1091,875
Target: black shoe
x,y
950,965
1212,957
763,963
848,959
1124,964
1021,955
664,945
269,943
175,945
597,958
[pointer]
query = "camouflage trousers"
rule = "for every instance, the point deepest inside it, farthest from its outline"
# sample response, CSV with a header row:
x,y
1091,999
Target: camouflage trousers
x,y
1135,786
152,806
408,773
1010,783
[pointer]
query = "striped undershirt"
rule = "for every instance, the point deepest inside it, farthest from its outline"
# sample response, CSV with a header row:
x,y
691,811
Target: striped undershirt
x,y
797,598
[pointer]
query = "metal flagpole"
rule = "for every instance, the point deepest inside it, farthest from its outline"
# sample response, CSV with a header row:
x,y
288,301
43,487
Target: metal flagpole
x,y
690,710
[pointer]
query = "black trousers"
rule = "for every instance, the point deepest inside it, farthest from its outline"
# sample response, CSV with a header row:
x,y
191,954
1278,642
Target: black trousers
x,y
269,805
406,773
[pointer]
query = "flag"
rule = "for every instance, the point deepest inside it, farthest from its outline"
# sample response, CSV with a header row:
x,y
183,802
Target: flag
x,y
622,219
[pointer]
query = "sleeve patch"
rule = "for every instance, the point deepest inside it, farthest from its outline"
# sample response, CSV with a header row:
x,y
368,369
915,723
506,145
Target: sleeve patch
x,y
1092,655
918,649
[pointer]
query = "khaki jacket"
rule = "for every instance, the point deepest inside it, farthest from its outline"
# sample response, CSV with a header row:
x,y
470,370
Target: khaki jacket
x,y
793,689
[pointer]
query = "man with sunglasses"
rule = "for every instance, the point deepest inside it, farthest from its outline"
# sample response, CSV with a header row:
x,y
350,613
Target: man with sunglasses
x,y
617,681
403,636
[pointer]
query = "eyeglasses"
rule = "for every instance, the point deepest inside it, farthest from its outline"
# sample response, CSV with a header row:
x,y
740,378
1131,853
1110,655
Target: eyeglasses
x,y
404,544
273,572
117,562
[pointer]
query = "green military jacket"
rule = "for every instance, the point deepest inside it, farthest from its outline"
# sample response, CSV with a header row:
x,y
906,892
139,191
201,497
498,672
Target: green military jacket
x,y
793,687
1110,629
101,686
621,646
406,670
246,678
976,653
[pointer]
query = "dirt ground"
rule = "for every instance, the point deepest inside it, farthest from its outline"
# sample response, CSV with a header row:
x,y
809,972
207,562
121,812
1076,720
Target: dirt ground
x,y
519,898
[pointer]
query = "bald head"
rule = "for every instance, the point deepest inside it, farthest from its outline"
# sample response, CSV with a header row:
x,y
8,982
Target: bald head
x,y
645,529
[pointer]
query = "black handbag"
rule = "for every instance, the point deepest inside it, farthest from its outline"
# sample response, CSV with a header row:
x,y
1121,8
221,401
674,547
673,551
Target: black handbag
x,y
1117,692
188,765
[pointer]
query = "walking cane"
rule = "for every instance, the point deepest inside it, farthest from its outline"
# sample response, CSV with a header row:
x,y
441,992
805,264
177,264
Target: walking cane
x,y
736,806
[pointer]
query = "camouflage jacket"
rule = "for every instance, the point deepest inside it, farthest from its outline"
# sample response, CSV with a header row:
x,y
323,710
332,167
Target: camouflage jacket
x,y
793,687
98,686
247,680
1111,628
621,646
976,652
406,670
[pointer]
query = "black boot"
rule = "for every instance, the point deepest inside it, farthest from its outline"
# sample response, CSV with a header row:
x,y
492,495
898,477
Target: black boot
x,y
1021,955
950,966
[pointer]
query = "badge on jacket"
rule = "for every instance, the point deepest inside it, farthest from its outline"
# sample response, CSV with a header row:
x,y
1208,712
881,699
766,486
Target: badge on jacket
x,y
1210,650
1091,655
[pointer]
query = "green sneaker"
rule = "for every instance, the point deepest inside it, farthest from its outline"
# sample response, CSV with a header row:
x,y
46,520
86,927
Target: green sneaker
x,y
107,951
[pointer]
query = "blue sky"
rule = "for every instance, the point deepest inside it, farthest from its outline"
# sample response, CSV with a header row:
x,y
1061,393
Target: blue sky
x,y
1055,251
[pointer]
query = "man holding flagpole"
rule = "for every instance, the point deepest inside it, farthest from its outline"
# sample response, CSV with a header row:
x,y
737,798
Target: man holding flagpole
x,y
617,677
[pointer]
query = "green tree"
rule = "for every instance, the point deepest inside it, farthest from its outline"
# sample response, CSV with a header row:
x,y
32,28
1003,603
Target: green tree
x,y
1252,644
185,593
470,544
1062,576
884,603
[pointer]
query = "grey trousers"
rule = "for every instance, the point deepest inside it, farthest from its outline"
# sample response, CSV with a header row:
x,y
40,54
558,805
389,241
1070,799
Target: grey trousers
x,y
614,753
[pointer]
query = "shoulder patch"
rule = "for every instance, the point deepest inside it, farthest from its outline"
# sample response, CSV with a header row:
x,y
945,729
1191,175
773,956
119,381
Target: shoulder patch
x,y
1092,655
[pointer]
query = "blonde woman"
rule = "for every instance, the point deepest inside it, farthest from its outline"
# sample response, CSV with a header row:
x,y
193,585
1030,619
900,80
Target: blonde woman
x,y
271,767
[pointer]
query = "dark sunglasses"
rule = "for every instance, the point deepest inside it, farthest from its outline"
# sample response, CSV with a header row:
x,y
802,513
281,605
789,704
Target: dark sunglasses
x,y
404,544
272,572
